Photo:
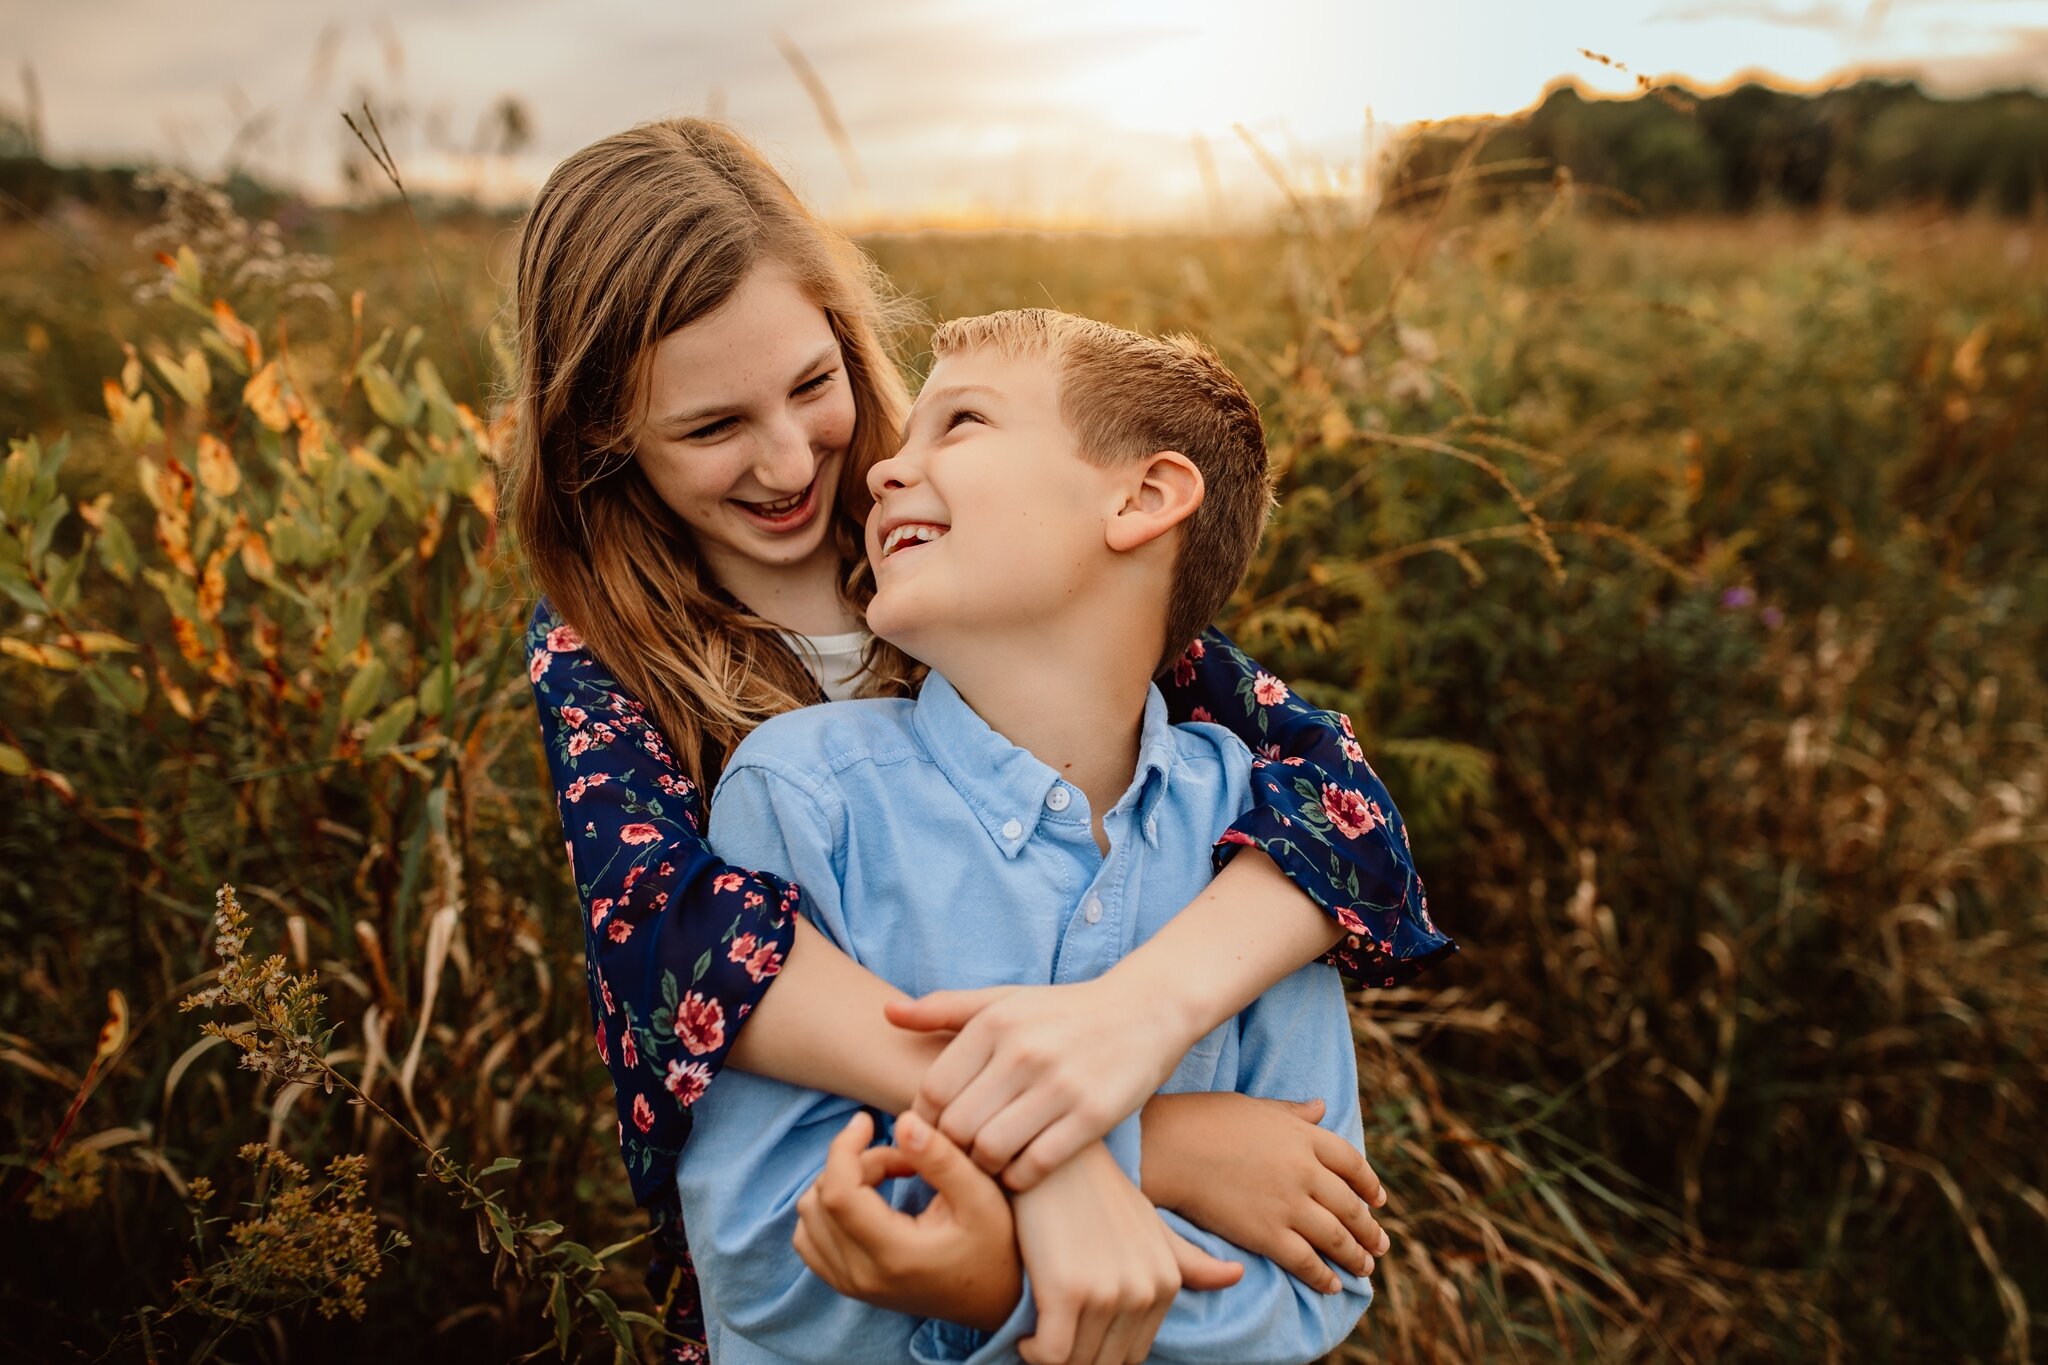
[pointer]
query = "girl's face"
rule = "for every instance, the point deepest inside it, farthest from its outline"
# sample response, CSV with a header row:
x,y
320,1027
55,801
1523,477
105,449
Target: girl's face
x,y
746,427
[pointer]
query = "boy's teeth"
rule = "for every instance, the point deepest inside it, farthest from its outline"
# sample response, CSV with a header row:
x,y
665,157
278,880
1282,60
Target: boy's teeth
x,y
918,531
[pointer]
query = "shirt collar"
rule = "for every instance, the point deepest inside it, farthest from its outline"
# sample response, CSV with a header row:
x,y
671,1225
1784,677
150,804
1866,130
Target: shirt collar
x,y
1006,786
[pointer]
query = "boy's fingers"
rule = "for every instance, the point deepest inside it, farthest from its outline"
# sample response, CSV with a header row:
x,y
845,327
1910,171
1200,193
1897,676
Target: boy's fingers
x,y
1299,1259
884,1163
951,1070
1335,1239
943,1009
963,1117
943,1165
1350,1163
1198,1269
1339,1198
1047,1152
1310,1111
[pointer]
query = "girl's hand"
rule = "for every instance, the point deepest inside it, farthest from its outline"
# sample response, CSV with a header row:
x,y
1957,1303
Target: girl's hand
x,y
1261,1173
1036,1073
957,1260
1104,1268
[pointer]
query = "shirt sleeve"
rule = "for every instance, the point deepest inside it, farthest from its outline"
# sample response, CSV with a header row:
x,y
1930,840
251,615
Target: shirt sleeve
x,y
1318,810
678,947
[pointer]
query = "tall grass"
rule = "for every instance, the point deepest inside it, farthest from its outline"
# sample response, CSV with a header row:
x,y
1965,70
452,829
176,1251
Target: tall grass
x,y
1684,581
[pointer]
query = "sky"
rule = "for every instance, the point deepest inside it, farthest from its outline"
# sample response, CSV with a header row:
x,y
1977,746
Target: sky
x,y
1057,111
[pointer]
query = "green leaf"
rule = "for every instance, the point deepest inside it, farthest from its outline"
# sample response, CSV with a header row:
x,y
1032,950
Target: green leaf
x,y
390,728
13,762
615,1324
47,520
119,689
362,691
60,575
386,399
545,1228
578,1255
433,694
558,1309
17,587
17,479
117,549
501,1226
503,1163
703,966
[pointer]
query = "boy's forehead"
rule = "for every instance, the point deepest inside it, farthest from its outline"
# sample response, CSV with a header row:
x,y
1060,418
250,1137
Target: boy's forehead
x,y
1021,377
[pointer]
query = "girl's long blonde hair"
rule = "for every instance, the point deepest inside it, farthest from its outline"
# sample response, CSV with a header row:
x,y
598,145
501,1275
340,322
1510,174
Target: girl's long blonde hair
x,y
631,238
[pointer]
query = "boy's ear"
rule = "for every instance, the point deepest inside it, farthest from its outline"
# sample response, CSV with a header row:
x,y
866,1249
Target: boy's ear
x,y
1164,490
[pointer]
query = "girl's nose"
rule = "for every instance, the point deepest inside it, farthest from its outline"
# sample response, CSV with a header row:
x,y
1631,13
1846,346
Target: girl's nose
x,y
786,462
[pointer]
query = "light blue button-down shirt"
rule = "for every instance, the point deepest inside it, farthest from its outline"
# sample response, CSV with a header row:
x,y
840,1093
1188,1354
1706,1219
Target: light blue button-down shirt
x,y
940,855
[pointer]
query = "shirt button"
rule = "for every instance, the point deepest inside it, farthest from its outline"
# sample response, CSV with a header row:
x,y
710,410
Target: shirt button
x,y
1091,910
1013,829
1057,798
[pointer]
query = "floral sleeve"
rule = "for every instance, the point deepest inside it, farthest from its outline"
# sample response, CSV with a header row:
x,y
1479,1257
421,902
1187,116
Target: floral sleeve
x,y
1319,811
678,947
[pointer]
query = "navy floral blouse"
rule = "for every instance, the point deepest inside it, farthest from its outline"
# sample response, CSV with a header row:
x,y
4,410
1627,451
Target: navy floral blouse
x,y
679,947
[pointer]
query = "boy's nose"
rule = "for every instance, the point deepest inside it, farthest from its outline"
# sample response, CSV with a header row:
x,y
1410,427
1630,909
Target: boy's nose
x,y
895,472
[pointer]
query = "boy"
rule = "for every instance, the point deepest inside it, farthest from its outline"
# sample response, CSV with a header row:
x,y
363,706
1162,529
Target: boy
x,y
1071,504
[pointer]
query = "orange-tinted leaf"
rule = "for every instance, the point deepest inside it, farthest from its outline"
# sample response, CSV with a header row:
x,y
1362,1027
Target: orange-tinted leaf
x,y
217,471
224,670
114,1032
256,560
174,538
188,640
174,694
264,395
237,332
213,585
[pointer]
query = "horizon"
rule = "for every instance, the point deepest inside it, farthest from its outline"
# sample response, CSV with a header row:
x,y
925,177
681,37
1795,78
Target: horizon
x,y
1119,114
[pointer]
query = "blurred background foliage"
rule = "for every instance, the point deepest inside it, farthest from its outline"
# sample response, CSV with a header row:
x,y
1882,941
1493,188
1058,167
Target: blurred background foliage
x,y
1683,576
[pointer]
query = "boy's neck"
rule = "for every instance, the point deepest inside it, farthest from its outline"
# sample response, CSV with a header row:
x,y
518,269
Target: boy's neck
x,y
1069,701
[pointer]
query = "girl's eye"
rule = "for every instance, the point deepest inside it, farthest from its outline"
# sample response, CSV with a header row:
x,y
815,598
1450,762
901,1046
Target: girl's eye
x,y
817,384
712,429
959,415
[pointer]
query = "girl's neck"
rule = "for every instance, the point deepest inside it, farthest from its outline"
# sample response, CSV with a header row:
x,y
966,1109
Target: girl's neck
x,y
802,597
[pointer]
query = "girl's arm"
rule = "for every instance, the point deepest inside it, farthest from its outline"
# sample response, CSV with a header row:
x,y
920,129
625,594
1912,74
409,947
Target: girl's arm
x,y
1317,867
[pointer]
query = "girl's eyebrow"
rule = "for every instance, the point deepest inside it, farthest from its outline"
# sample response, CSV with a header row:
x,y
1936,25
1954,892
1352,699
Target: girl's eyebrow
x,y
691,417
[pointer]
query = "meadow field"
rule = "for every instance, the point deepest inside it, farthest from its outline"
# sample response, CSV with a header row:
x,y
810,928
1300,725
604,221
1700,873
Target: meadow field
x,y
1684,579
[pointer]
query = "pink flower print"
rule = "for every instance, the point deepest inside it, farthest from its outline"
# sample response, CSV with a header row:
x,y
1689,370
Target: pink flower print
x,y
563,639
700,1023
604,989
666,870
687,1080
728,882
1269,690
765,962
604,1051
1237,836
1351,750
578,743
1348,917
576,790
1294,762
633,874
598,909
575,716
643,1113
537,665
1269,752
1201,713
629,1051
1350,812
742,948
1345,721
754,900
639,834
620,930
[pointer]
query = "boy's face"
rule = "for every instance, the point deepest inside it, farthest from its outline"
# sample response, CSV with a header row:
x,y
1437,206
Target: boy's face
x,y
988,518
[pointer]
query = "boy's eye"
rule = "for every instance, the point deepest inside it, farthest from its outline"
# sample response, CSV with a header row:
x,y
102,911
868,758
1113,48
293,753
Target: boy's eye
x,y
959,415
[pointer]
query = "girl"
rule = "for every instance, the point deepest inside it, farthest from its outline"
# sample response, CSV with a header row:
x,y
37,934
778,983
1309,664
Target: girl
x,y
702,388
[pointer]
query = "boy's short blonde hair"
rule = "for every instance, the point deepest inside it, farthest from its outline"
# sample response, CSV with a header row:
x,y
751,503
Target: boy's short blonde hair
x,y
1126,396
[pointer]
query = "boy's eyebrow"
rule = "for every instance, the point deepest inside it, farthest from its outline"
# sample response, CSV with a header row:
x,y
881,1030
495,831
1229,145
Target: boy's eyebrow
x,y
690,417
950,391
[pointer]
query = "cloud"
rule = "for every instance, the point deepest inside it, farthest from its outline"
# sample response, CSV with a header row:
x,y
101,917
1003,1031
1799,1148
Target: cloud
x,y
1821,16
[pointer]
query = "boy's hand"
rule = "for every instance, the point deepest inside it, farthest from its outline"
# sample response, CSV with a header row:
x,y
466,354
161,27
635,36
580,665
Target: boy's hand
x,y
957,1260
1261,1173
1104,1267
1029,1080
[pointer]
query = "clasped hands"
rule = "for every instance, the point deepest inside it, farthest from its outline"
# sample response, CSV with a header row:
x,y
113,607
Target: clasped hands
x,y
1020,1098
